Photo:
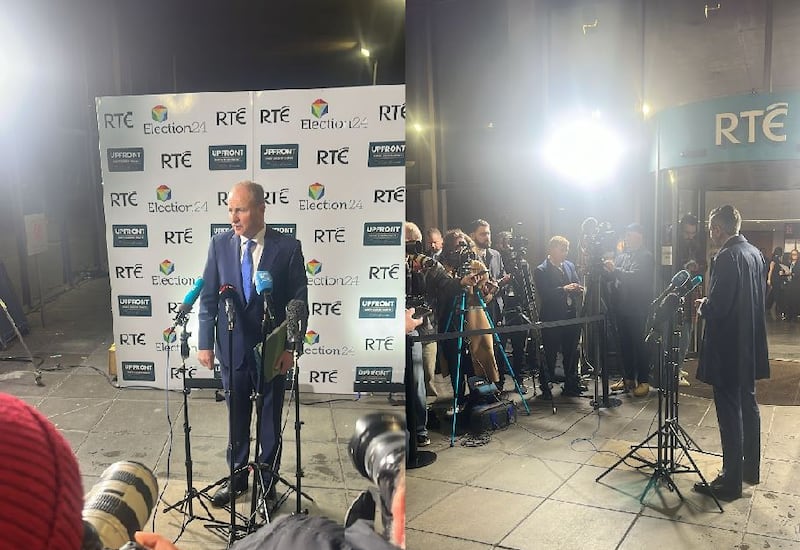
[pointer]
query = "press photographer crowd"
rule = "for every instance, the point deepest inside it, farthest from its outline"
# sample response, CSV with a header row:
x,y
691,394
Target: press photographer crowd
x,y
463,281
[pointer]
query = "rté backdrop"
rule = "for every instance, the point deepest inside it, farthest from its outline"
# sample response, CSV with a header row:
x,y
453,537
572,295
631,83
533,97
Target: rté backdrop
x,y
332,164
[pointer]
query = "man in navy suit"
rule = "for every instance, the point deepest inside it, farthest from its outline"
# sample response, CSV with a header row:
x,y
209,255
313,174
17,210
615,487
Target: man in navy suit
x,y
233,259
734,351
557,284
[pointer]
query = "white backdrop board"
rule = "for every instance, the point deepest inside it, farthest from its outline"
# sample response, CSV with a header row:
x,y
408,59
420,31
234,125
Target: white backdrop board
x,y
331,162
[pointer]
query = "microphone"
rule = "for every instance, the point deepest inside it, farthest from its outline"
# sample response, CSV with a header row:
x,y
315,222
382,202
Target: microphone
x,y
666,307
228,293
693,284
678,280
264,287
188,301
296,324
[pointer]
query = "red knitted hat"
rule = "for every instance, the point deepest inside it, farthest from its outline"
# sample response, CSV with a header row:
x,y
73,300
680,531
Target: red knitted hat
x,y
41,495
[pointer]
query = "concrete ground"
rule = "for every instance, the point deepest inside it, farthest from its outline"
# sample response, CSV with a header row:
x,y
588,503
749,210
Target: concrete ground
x,y
530,486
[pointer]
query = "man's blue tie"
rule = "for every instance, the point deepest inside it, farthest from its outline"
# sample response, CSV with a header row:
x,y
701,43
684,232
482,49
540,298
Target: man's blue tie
x,y
247,270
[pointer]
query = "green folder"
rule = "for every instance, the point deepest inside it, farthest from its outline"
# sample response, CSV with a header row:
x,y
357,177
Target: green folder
x,y
275,345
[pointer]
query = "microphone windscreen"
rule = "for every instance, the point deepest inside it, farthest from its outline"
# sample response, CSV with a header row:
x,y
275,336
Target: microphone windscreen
x,y
263,282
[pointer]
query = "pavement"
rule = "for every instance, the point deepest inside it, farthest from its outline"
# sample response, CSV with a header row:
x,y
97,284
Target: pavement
x,y
532,485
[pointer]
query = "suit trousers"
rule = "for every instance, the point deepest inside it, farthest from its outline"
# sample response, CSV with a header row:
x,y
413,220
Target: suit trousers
x,y
563,339
739,432
635,357
245,381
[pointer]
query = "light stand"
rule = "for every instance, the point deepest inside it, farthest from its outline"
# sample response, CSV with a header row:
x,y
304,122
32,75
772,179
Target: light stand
x,y
595,338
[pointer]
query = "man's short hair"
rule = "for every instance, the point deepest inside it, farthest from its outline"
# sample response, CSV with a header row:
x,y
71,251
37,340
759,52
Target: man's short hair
x,y
558,241
412,232
475,224
433,231
689,219
727,218
255,190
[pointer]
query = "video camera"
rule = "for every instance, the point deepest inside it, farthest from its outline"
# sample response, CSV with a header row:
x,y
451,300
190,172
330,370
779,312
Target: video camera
x,y
599,239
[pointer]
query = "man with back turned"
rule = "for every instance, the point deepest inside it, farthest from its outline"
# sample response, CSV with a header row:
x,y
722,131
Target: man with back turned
x,y
234,257
734,351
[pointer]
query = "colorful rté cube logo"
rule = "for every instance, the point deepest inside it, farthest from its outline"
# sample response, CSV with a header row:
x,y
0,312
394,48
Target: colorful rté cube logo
x,y
163,193
316,191
169,335
311,338
313,267
319,108
166,267
159,113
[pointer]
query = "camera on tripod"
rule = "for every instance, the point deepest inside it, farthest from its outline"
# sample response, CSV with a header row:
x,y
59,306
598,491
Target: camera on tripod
x,y
599,240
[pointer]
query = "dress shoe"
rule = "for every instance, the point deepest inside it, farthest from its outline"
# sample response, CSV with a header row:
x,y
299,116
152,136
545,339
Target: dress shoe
x,y
423,440
622,385
546,393
641,390
719,489
223,494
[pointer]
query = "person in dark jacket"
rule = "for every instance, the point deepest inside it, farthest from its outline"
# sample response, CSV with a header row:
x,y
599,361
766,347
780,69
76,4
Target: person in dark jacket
x,y
557,284
734,353
631,277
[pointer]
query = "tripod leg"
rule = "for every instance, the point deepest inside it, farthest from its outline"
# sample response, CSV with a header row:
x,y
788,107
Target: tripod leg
x,y
456,386
496,339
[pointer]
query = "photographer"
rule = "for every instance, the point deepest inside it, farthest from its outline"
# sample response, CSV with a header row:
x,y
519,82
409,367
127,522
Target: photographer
x,y
631,278
425,279
459,259
516,306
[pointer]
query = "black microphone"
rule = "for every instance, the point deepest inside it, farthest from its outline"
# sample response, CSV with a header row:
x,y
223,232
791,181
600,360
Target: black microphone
x,y
666,307
296,324
228,293
264,287
678,280
188,302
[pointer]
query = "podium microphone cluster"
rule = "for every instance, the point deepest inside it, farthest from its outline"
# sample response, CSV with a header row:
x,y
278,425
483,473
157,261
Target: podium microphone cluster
x,y
188,302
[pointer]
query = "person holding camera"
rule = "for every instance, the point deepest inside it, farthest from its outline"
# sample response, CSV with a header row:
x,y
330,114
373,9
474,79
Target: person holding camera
x,y
425,279
481,235
631,278
515,306
557,283
459,259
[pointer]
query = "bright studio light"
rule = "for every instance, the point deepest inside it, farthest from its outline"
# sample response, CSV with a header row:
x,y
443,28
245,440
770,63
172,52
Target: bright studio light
x,y
584,150
364,52
14,71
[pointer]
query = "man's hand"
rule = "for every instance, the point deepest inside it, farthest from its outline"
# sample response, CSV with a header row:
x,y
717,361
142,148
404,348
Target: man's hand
x,y
284,363
505,280
154,541
699,303
608,265
411,322
573,287
206,358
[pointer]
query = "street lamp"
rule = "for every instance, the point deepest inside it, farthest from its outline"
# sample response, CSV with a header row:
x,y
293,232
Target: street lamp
x,y
366,54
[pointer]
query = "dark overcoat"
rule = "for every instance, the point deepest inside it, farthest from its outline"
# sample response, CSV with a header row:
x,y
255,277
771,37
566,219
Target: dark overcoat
x,y
734,348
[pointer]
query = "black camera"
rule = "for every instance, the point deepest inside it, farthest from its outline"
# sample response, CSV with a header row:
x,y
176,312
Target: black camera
x,y
378,451
599,240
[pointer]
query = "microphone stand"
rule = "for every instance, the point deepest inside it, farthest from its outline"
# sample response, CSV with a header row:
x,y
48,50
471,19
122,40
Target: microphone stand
x,y
191,492
231,314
